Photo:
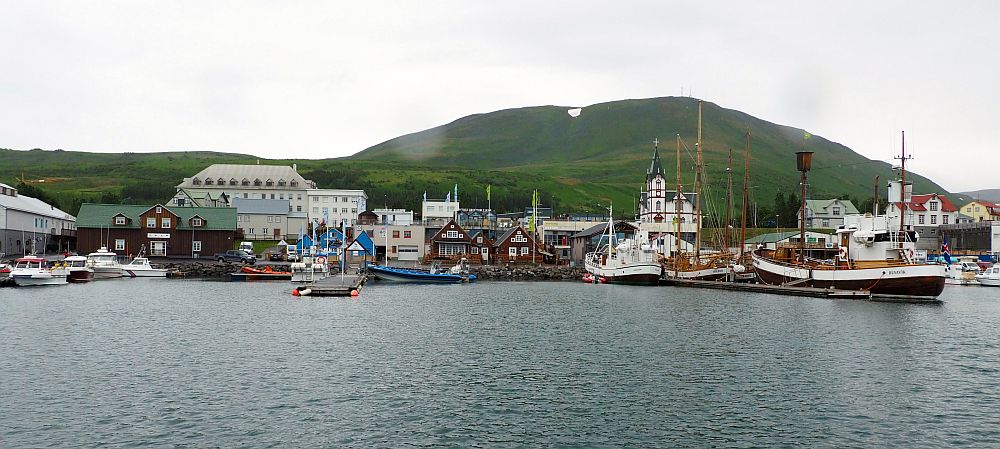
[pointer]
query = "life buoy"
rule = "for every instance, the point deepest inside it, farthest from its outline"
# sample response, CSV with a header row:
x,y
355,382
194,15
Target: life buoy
x,y
909,253
842,253
321,260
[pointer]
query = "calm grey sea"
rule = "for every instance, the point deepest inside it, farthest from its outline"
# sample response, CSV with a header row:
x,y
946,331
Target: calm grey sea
x,y
180,363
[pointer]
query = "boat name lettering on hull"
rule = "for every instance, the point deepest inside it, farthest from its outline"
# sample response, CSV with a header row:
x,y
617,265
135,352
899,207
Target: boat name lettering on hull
x,y
895,272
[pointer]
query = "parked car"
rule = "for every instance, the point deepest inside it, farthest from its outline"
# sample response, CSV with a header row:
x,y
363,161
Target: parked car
x,y
276,257
235,255
293,254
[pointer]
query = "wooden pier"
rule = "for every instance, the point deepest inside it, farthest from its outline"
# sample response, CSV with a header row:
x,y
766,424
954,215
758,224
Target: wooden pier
x,y
800,291
335,285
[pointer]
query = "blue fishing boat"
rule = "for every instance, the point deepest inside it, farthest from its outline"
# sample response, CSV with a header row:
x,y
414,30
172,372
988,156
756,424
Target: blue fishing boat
x,y
457,275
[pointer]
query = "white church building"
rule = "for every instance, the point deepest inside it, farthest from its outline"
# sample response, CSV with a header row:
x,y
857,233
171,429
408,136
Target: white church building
x,y
658,211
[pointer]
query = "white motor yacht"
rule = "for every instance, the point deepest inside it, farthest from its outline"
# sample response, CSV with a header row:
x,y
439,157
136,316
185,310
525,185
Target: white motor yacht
x,y
140,268
105,264
990,277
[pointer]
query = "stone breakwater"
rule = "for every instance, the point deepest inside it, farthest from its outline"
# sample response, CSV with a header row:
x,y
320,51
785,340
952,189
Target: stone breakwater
x,y
210,269
528,273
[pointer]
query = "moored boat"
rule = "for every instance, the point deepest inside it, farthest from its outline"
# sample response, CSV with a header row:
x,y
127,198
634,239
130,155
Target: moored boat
x,y
260,274
624,262
989,277
309,269
435,274
77,268
140,267
964,271
31,271
4,271
105,264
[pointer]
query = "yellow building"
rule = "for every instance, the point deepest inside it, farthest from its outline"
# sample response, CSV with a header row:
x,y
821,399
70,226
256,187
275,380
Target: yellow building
x,y
981,210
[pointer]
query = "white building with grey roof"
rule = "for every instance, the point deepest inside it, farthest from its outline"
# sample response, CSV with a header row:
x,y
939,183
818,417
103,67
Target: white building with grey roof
x,y
267,219
220,184
29,225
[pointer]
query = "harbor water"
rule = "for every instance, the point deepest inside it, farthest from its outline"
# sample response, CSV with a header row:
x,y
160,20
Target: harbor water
x,y
187,363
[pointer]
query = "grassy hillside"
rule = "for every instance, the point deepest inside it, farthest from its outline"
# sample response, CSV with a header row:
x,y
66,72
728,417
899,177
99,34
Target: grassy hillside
x,y
578,164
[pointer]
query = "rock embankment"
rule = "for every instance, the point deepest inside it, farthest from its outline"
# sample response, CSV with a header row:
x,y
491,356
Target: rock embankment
x,y
200,269
528,273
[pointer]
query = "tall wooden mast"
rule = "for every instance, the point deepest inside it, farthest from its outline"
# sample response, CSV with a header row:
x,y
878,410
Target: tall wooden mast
x,y
902,184
729,201
697,189
677,209
746,189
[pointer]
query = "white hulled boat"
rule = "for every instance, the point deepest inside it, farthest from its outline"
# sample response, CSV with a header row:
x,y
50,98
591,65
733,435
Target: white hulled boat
x,y
105,264
139,267
30,271
309,269
990,277
964,271
624,262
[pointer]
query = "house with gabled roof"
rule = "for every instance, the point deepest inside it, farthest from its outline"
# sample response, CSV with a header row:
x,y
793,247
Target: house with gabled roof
x,y
157,230
451,242
981,210
516,245
828,214
482,246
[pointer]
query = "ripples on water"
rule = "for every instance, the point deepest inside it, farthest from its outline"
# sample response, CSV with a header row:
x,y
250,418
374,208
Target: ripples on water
x,y
139,363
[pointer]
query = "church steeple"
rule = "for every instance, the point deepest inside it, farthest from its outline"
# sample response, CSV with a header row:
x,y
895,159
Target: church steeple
x,y
654,167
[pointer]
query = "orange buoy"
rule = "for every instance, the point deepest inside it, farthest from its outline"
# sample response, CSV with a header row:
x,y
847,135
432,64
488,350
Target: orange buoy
x,y
354,293
295,292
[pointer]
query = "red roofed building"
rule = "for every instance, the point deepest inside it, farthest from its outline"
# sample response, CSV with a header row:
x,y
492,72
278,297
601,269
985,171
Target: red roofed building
x,y
924,213
982,210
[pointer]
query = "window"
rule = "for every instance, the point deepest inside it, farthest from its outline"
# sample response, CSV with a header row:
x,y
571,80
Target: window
x,y
257,182
119,244
150,222
119,220
475,250
269,183
657,204
315,210
524,250
933,219
451,234
277,219
826,223
281,182
270,219
836,211
295,184
298,208
343,211
281,196
209,182
159,210
944,219
196,181
512,250
920,219
272,196
977,208
395,234
933,207
345,199
165,223
196,246
196,222
659,183
245,182
299,197
406,234
245,195
263,231
232,182
354,210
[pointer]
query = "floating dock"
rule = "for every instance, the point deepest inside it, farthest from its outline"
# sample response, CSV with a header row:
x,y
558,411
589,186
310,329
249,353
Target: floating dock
x,y
800,291
334,285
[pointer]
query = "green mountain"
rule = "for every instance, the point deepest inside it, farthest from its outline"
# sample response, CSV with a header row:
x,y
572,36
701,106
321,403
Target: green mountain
x,y
577,164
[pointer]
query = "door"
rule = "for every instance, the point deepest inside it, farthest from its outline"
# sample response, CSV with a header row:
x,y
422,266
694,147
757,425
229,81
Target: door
x,y
157,248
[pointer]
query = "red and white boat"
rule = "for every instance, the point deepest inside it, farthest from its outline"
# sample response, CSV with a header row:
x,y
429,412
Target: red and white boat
x,y
30,271
78,270
139,267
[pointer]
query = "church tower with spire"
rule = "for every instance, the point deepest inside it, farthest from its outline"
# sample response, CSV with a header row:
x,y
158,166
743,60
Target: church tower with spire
x,y
653,202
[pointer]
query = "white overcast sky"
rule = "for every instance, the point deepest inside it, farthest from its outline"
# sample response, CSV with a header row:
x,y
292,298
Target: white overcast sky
x,y
327,79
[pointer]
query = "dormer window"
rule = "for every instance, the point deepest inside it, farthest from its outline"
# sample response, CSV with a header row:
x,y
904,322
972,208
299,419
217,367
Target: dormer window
x,y
295,183
209,182
196,222
281,182
246,181
256,182
221,182
233,182
934,205
120,220
269,183
196,181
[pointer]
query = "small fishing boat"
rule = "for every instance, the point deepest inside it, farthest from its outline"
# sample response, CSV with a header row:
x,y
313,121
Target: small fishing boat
x,y
260,274
624,262
105,264
139,267
456,275
30,271
78,269
990,277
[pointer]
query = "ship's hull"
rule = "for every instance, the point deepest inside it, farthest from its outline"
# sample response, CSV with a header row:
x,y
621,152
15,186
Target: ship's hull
x,y
107,272
80,275
144,272
28,280
707,274
406,275
638,273
913,280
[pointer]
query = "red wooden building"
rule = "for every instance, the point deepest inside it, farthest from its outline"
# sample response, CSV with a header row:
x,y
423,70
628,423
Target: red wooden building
x,y
157,229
